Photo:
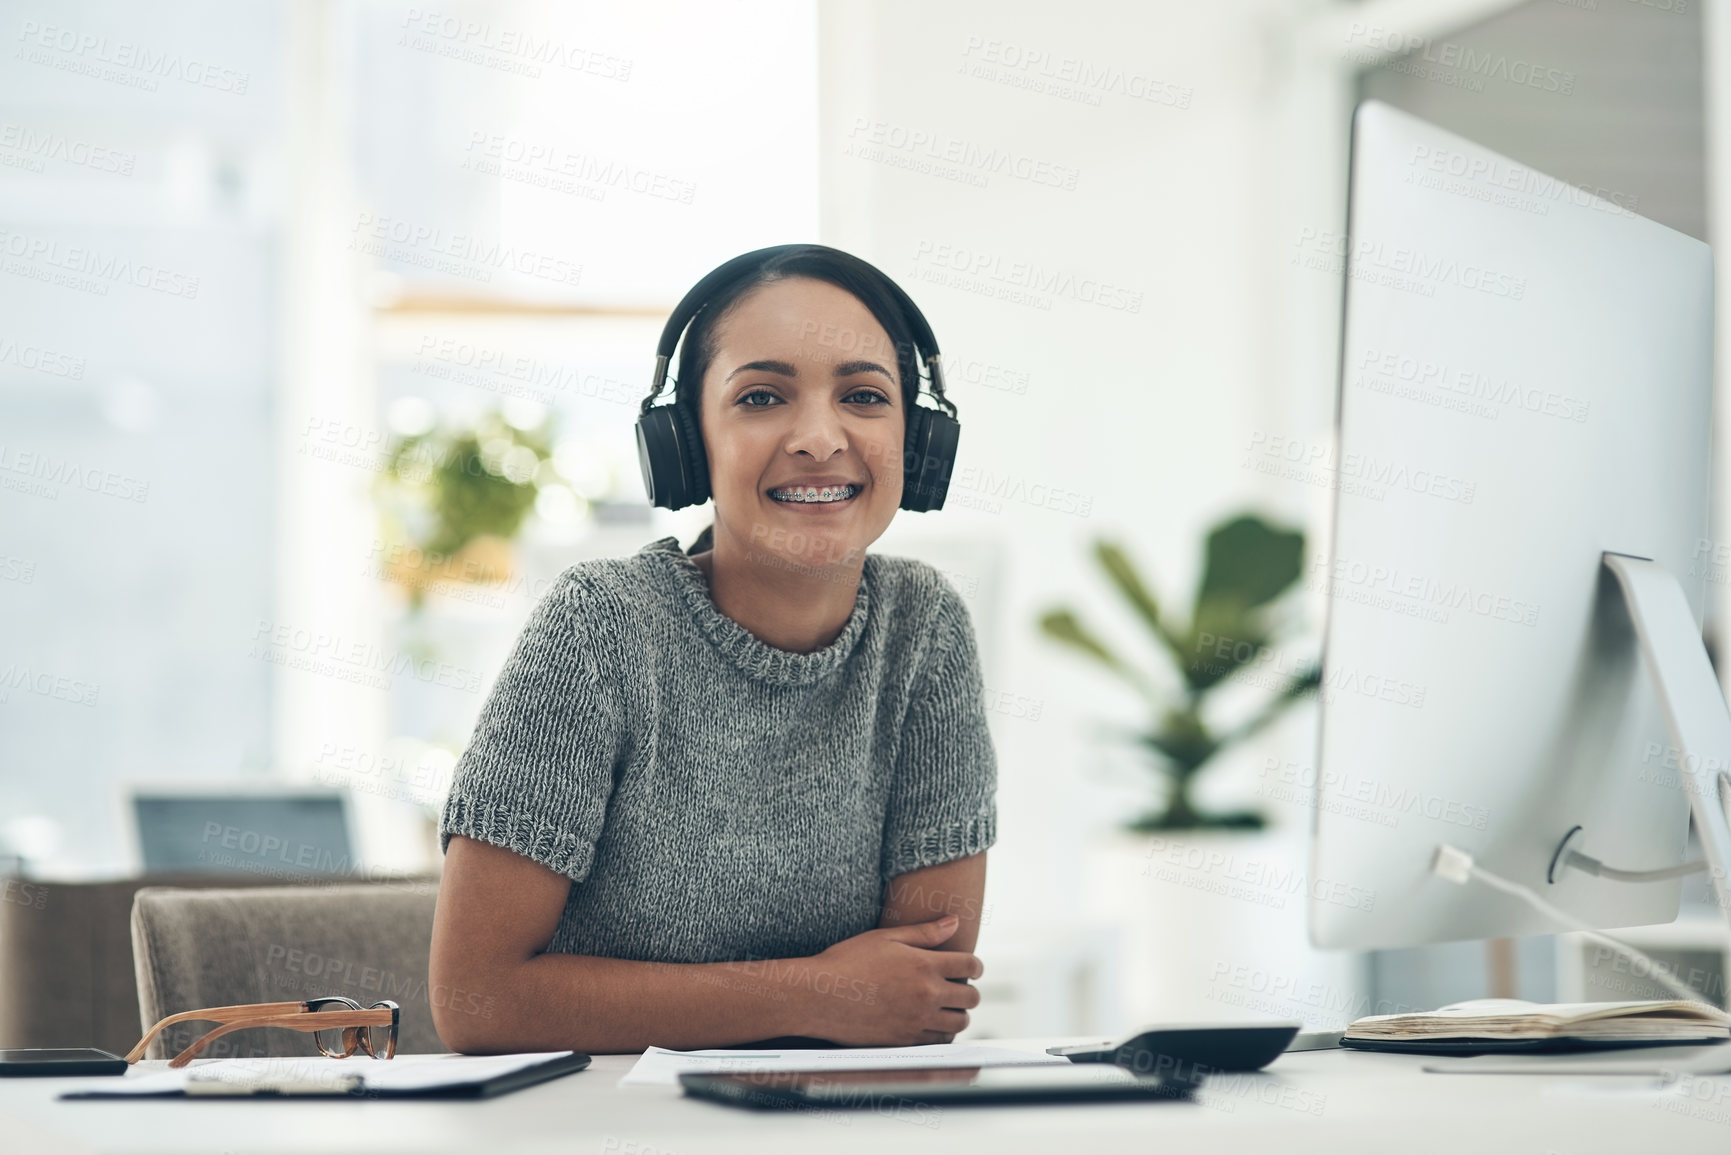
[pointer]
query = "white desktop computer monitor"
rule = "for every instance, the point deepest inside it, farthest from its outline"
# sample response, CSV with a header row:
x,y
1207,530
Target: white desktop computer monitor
x,y
1524,413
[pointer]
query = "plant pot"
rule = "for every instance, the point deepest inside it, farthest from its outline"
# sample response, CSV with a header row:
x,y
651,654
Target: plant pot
x,y
1214,929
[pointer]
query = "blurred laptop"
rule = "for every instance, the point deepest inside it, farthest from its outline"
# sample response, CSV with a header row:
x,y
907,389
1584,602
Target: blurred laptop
x,y
277,830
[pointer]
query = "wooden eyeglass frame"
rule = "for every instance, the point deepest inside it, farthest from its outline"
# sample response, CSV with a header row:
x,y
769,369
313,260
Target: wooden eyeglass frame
x,y
297,1016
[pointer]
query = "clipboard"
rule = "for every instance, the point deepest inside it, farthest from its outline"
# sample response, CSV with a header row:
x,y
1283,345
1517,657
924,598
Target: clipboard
x,y
420,1077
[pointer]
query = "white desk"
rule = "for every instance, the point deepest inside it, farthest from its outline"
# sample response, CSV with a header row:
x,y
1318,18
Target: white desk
x,y
1326,1102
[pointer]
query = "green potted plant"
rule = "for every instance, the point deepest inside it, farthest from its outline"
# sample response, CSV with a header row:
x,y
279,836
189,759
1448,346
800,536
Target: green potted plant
x,y
1193,890
1248,565
454,496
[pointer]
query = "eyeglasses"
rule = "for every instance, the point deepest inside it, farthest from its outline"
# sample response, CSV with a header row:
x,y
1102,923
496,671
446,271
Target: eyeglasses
x,y
339,1025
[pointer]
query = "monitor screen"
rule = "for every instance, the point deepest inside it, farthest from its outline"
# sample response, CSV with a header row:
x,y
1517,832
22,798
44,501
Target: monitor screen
x,y
1521,394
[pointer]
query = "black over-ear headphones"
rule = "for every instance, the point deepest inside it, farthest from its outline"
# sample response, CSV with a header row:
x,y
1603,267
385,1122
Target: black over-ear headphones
x,y
670,445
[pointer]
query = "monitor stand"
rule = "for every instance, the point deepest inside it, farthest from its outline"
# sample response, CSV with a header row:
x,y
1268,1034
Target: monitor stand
x,y
1696,715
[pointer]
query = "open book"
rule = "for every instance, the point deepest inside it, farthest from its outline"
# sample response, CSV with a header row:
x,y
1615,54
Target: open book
x,y
1498,1023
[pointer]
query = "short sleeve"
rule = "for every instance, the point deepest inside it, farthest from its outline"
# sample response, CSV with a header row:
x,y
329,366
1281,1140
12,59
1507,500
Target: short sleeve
x,y
538,771
943,801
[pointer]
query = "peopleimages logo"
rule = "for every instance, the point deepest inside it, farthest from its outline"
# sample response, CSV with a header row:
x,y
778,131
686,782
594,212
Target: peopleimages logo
x,y
993,269
333,973
1309,786
970,157
1357,473
40,360
508,49
460,254
1072,77
1396,265
789,972
65,689
1383,370
553,160
1479,64
39,144
89,54
1418,595
1265,882
44,253
317,651
1494,173
1301,991
539,379
40,474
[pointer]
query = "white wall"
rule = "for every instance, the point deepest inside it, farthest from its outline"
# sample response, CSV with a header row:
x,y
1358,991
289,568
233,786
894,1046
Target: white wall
x,y
1191,202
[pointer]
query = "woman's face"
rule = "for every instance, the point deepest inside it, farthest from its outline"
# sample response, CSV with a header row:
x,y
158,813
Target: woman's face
x,y
803,423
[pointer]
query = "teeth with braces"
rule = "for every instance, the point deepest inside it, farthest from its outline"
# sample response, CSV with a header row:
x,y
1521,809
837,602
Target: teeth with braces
x,y
815,494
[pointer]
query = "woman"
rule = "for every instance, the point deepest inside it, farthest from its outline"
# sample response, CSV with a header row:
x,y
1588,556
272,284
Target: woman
x,y
742,792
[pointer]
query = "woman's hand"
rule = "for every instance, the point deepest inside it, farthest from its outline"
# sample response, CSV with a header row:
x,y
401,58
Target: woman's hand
x,y
891,987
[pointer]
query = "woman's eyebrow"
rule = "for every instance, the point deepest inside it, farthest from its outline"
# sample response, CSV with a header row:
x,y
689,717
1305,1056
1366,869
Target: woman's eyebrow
x,y
849,368
784,369
779,367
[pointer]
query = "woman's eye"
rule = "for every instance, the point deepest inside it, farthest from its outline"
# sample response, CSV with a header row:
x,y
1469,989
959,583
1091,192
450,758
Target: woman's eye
x,y
873,397
749,404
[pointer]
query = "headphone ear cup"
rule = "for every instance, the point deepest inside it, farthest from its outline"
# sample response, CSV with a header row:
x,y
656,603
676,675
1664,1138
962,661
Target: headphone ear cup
x,y
658,457
670,453
928,458
693,459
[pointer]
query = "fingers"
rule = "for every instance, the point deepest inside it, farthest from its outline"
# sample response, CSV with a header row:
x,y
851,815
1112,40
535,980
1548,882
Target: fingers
x,y
955,964
926,934
959,996
952,1021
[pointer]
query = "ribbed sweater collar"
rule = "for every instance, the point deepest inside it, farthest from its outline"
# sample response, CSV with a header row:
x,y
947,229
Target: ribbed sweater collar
x,y
754,656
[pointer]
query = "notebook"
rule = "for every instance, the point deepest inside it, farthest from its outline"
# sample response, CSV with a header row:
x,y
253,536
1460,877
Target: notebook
x,y
431,1076
1483,1025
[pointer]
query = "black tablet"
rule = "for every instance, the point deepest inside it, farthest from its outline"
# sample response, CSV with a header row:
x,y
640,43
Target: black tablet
x,y
60,1061
909,1092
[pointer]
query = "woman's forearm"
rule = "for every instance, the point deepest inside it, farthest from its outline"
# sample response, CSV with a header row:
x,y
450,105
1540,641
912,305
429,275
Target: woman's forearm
x,y
496,987
604,1005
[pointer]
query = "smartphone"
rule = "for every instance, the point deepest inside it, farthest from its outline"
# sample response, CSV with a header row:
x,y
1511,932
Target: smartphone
x,y
60,1061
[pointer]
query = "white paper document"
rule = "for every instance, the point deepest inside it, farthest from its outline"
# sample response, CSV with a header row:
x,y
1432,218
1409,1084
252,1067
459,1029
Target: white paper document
x,y
317,1075
659,1067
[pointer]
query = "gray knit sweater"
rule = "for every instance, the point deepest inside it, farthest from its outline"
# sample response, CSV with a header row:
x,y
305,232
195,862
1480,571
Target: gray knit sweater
x,y
715,797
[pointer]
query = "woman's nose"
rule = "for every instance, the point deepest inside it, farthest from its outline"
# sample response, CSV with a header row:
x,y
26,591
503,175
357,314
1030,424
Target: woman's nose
x,y
817,430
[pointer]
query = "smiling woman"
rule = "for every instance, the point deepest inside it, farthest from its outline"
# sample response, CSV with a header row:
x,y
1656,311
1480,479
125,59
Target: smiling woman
x,y
743,791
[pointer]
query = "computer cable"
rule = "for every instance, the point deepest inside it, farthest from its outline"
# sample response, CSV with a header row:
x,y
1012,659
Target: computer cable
x,y
1591,865
1457,866
1568,856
